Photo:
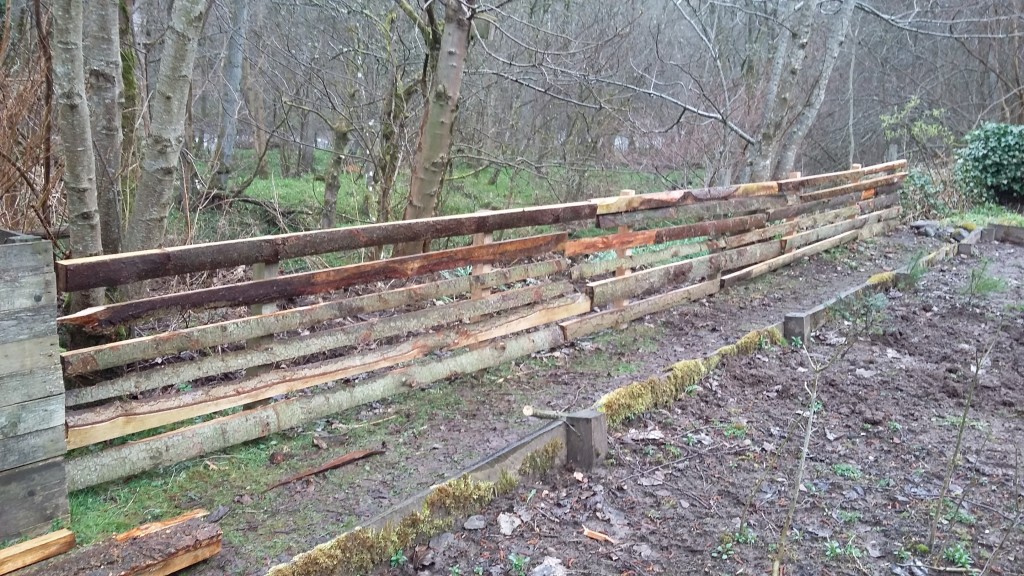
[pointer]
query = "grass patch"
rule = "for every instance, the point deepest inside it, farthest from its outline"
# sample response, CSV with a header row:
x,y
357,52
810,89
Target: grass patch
x,y
984,215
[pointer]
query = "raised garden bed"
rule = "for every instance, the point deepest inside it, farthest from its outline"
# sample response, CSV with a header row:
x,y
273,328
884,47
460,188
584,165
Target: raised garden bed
x,y
683,479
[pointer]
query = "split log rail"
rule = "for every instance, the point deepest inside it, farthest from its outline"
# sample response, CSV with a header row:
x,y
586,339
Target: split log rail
x,y
227,363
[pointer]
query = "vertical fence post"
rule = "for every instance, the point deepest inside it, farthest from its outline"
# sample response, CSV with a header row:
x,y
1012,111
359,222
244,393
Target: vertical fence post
x,y
476,291
261,271
33,484
621,253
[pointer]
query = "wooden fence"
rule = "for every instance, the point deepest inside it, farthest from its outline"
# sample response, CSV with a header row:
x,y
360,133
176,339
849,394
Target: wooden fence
x,y
33,490
257,351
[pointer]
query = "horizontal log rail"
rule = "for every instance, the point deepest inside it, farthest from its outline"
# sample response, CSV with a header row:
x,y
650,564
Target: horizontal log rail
x,y
182,373
119,269
120,419
124,352
312,283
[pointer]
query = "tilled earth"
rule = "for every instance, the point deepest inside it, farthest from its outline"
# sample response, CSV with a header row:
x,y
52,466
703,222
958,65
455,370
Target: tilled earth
x,y
705,485
434,433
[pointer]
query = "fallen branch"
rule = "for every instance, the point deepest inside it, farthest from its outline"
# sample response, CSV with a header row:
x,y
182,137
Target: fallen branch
x,y
336,463
544,414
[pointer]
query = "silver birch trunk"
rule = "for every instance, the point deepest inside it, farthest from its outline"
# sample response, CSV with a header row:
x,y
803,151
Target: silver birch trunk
x,y
147,221
231,101
105,94
76,140
787,61
805,118
431,159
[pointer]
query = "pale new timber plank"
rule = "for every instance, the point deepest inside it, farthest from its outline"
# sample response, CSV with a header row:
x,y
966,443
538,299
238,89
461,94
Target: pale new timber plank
x,y
35,550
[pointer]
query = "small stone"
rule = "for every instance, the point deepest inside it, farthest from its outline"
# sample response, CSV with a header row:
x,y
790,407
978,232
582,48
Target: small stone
x,y
874,550
507,523
960,234
475,523
549,567
441,542
862,373
644,552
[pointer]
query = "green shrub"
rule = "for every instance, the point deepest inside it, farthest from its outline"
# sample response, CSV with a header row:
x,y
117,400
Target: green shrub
x,y
991,165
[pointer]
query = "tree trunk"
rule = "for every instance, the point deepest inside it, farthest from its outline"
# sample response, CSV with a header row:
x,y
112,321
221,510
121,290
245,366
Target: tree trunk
x,y
76,139
232,99
258,114
131,108
332,181
102,55
148,219
787,61
438,123
796,134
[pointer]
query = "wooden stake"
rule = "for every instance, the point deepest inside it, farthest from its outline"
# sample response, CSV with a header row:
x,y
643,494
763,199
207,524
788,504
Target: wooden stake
x,y
261,271
621,253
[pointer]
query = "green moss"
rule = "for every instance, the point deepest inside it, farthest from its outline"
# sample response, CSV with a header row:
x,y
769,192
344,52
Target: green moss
x,y
637,398
882,278
361,550
539,462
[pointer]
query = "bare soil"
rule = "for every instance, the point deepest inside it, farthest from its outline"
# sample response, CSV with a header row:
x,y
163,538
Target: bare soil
x,y
704,486
432,434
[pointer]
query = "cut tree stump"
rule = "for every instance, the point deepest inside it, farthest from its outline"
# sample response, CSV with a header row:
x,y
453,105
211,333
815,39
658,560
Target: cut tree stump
x,y
156,549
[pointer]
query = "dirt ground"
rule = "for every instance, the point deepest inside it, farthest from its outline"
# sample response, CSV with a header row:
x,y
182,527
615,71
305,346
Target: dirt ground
x,y
704,486
432,434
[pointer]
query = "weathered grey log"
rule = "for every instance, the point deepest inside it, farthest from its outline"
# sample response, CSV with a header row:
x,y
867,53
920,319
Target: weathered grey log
x,y
634,261
181,373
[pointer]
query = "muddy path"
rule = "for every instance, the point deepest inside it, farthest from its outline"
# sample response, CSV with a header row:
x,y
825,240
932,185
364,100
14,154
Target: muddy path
x,y
704,486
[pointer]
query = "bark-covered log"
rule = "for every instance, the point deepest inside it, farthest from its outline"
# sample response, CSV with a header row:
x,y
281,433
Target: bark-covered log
x,y
241,329
114,270
713,210
644,282
580,327
321,281
159,549
294,379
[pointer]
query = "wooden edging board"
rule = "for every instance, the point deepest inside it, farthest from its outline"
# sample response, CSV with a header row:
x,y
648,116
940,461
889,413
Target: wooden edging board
x,y
802,324
488,469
